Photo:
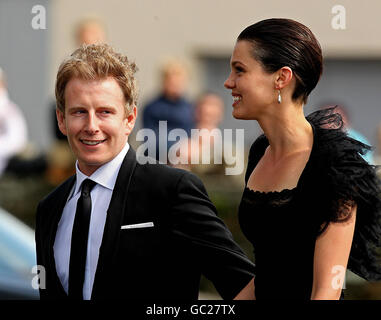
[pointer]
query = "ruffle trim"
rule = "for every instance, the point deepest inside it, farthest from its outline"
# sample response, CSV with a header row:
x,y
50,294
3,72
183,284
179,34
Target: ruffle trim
x,y
348,180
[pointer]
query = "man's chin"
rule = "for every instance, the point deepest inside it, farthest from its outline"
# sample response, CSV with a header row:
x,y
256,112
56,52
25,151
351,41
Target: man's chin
x,y
89,166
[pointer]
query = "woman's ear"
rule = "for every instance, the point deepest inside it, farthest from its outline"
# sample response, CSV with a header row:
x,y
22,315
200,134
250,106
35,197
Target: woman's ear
x,y
283,78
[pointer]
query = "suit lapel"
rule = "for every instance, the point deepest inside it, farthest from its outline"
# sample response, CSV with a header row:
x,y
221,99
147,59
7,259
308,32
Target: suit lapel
x,y
115,215
56,212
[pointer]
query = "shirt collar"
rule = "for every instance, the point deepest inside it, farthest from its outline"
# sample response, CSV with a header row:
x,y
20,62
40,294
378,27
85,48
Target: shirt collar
x,y
105,175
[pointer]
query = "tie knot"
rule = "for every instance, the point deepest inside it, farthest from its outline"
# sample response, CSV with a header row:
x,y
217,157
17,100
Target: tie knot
x,y
87,186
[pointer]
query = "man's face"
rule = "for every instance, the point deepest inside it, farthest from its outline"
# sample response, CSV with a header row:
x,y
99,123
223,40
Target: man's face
x,y
90,34
174,84
209,112
95,121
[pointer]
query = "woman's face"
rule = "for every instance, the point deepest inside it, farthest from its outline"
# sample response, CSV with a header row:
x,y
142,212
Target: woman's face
x,y
253,89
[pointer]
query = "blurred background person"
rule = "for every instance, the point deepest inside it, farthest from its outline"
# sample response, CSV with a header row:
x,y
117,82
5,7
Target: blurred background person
x,y
209,113
90,31
170,105
13,127
347,122
60,158
21,162
208,143
17,250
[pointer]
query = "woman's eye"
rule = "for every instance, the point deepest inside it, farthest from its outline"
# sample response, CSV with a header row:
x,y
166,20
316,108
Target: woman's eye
x,y
239,69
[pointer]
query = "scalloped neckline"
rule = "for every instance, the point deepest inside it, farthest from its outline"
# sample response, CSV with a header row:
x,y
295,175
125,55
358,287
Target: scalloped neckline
x,y
265,193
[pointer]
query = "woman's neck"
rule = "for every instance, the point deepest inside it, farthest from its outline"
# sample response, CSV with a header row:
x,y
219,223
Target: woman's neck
x,y
287,130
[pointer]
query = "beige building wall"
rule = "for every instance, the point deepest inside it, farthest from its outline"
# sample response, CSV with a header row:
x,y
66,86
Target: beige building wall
x,y
150,30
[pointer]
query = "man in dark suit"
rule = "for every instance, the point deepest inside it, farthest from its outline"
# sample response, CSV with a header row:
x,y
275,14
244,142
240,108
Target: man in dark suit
x,y
121,227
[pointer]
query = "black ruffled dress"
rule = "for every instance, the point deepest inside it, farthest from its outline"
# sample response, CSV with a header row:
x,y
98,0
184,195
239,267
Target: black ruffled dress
x,y
283,226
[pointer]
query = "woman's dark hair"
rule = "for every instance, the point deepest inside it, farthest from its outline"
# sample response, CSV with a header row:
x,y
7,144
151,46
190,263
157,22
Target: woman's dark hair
x,y
284,42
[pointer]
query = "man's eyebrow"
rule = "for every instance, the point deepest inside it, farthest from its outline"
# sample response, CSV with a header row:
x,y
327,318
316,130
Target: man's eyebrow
x,y
107,106
75,107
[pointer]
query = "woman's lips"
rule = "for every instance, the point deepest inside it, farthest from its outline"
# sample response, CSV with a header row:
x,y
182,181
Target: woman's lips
x,y
236,99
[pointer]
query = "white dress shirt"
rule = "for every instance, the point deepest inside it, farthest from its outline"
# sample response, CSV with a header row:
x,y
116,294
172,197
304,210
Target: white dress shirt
x,y
105,177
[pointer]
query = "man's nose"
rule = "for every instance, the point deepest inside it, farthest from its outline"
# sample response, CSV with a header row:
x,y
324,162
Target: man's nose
x,y
92,124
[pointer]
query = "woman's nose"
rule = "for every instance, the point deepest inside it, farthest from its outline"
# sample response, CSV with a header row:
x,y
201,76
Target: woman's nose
x,y
229,83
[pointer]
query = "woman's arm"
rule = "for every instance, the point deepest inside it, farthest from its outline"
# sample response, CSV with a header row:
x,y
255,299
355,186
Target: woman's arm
x,y
332,250
247,293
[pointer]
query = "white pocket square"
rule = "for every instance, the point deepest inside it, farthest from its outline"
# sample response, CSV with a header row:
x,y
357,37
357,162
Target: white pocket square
x,y
138,225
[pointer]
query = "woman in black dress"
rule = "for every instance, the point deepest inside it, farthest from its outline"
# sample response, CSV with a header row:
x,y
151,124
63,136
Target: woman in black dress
x,y
311,206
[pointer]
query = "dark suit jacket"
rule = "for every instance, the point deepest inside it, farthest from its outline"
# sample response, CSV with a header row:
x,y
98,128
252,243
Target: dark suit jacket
x,y
161,262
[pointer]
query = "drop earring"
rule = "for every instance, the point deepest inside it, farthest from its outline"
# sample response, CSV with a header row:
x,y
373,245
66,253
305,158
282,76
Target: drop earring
x,y
279,97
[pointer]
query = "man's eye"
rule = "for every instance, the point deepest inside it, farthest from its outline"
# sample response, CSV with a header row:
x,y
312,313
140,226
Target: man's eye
x,y
239,69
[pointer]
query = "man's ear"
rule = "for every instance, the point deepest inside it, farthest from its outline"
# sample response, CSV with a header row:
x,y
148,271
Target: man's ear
x,y
130,120
284,77
61,121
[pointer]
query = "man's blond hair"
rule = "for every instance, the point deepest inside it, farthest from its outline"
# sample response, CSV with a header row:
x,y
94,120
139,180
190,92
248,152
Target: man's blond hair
x,y
98,61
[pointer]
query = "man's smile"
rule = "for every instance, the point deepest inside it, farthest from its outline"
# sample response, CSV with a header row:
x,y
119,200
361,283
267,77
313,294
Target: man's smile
x,y
92,142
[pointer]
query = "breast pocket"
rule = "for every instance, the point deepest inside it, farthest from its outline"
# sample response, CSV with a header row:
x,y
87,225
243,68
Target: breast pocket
x,y
142,243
